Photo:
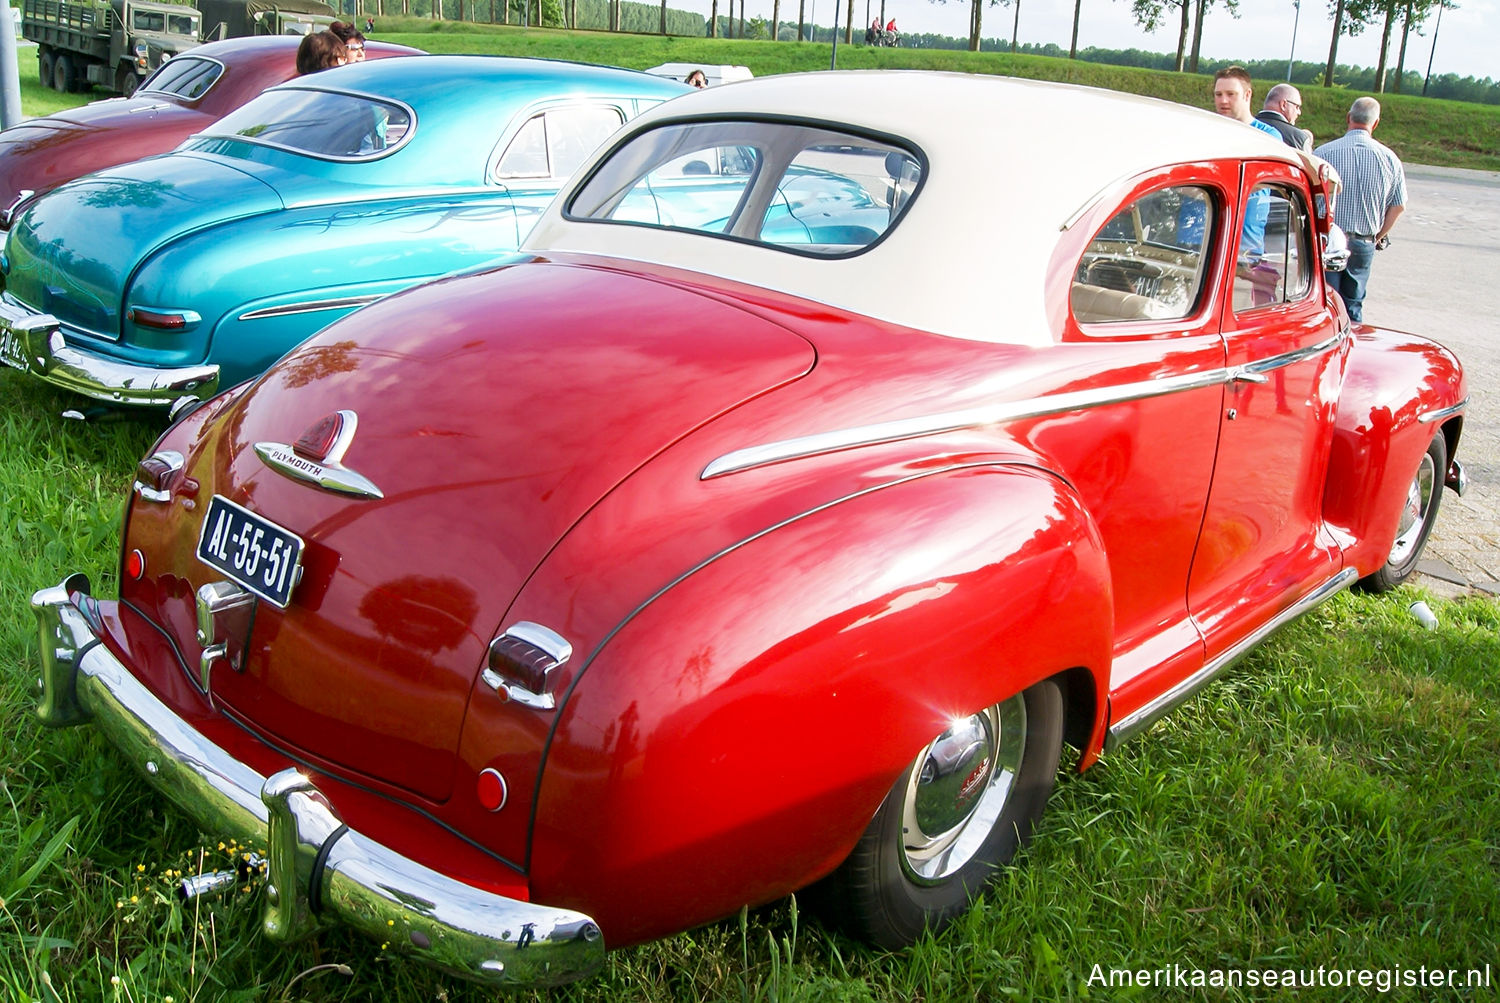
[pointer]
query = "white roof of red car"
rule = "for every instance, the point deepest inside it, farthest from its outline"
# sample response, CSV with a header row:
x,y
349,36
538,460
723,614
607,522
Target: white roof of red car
x,y
1009,162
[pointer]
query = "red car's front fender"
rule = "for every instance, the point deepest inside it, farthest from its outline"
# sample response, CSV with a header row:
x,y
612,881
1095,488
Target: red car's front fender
x,y
1399,391
734,736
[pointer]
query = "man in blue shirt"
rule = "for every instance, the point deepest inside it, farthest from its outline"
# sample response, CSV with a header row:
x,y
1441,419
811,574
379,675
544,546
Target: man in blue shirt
x,y
1232,94
1373,196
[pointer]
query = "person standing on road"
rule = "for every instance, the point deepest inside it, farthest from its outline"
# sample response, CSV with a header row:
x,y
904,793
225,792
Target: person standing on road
x,y
1373,197
1282,108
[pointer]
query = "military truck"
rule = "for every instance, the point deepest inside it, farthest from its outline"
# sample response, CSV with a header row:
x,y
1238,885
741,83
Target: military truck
x,y
239,18
112,43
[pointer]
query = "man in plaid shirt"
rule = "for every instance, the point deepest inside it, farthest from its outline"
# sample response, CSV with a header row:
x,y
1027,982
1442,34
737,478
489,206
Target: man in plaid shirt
x,y
1373,196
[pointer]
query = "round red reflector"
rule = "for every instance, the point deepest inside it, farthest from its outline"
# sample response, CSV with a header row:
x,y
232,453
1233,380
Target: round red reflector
x,y
492,790
135,565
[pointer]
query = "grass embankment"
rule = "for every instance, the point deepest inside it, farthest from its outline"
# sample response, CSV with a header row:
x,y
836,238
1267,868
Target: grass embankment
x,y
1334,803
1420,130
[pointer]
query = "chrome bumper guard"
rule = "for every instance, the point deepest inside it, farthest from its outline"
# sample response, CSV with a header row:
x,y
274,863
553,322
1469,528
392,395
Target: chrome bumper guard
x,y
34,343
320,871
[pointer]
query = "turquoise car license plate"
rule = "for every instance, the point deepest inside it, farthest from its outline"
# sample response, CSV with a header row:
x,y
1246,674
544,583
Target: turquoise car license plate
x,y
253,551
11,352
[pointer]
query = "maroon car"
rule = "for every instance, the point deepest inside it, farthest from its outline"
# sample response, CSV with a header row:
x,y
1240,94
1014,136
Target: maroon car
x,y
179,99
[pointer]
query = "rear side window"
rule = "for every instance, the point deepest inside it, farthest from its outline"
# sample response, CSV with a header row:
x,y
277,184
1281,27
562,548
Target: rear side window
x,y
1148,261
787,185
319,123
553,143
189,77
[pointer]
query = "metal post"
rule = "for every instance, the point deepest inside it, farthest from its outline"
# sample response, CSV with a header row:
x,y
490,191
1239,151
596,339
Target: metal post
x,y
1433,51
10,70
1291,57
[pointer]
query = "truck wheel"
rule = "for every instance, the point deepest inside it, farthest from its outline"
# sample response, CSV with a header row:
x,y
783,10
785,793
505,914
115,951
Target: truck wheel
x,y
63,77
44,67
126,81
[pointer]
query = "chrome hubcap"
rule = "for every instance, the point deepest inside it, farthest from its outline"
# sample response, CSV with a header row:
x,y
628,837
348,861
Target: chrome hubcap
x,y
1414,514
958,789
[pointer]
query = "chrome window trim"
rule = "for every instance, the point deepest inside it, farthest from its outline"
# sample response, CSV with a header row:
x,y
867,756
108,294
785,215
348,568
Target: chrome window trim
x,y
1444,412
188,56
208,132
1133,724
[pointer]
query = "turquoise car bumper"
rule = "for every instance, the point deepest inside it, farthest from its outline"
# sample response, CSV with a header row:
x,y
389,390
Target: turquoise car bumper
x,y
33,343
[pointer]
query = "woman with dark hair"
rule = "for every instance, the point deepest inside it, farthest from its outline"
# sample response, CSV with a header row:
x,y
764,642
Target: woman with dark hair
x,y
321,50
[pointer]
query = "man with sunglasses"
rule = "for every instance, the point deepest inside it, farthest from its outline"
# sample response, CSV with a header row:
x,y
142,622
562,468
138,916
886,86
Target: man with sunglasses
x,y
1282,108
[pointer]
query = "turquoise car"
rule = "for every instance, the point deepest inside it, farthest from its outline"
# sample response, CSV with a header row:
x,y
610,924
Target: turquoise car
x,y
164,279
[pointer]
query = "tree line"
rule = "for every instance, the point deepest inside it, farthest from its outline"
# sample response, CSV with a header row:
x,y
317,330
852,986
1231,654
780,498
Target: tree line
x,y
1396,20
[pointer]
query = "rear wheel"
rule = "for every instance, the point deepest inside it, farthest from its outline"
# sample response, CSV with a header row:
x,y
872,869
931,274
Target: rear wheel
x,y
63,77
45,63
1417,518
960,810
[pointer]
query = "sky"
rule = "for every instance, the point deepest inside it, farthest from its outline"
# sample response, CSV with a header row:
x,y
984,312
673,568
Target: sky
x,y
1468,41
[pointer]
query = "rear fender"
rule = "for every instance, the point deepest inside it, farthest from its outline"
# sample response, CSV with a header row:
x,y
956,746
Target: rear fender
x,y
1399,391
733,737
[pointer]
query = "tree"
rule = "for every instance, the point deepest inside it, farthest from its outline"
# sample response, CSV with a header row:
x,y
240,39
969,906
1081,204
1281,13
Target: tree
x,y
1015,28
1202,9
1073,48
1152,14
976,17
1350,17
775,20
801,19
1385,45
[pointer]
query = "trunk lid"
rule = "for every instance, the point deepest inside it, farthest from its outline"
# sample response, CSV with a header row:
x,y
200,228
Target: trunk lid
x,y
73,252
492,413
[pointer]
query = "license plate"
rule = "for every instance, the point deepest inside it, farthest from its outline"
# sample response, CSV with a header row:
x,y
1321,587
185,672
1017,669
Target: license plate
x,y
254,552
11,352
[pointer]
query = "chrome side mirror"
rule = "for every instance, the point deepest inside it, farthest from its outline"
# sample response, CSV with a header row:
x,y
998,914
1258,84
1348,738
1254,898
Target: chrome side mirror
x,y
1335,250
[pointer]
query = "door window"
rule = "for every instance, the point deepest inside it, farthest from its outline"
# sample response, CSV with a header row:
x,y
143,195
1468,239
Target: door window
x,y
1275,262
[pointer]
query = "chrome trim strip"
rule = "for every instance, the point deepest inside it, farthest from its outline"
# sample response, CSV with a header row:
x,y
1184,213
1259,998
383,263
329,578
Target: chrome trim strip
x,y
1133,724
1444,412
1036,407
321,870
952,421
311,306
1251,370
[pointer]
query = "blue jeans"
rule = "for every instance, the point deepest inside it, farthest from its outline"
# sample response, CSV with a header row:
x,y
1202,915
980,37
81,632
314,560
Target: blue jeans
x,y
1355,278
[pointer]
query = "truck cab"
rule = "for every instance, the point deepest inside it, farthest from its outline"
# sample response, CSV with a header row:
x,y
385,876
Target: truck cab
x,y
114,46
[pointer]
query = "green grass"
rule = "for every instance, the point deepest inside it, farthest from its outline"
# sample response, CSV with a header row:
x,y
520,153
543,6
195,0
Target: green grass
x,y
1420,130
1334,801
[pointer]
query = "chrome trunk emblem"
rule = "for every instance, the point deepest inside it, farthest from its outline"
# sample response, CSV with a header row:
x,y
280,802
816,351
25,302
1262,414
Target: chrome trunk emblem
x,y
326,472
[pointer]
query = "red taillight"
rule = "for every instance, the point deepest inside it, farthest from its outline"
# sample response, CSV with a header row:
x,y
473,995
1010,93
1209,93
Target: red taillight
x,y
491,790
135,565
318,441
156,471
166,320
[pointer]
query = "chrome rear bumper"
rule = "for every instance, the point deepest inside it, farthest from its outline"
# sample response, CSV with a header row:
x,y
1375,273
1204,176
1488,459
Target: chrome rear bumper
x,y
320,870
34,343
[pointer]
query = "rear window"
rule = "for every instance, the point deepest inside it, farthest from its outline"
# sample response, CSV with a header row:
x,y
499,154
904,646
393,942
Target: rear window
x,y
318,123
792,186
189,77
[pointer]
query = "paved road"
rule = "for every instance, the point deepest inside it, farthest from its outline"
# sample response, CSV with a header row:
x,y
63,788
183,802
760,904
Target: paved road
x,y
1440,277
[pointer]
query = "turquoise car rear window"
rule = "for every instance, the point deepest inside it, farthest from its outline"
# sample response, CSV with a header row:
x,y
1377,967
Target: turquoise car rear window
x,y
318,123
789,185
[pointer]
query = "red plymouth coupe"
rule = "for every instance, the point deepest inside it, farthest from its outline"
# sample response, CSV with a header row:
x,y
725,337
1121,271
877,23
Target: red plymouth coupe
x,y
822,466
184,95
